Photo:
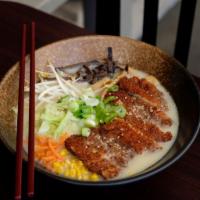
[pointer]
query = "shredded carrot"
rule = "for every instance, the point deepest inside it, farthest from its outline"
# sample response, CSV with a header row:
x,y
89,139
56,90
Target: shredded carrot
x,y
47,149
48,158
40,148
40,154
53,149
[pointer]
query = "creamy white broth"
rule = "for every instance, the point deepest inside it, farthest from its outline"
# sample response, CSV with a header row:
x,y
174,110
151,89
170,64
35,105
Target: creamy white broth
x,y
140,162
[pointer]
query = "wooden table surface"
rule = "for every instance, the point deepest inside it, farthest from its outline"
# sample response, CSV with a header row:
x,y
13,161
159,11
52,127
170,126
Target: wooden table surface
x,y
180,181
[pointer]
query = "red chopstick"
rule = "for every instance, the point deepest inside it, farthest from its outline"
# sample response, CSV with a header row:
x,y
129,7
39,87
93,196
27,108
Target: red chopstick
x,y
20,117
31,138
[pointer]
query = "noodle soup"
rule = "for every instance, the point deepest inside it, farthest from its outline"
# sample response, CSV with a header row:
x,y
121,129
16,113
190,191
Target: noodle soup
x,y
101,120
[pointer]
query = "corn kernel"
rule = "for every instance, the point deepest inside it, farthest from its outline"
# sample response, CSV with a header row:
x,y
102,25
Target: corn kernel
x,y
79,176
72,173
78,173
67,173
63,152
73,162
94,177
85,177
56,164
80,163
62,163
83,171
59,170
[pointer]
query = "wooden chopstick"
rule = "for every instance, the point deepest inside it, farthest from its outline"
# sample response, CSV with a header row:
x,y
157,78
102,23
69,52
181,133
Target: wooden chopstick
x,y
31,139
20,117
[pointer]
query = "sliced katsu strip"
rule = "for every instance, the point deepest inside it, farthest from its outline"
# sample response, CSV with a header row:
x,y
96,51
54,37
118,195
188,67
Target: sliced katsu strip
x,y
140,107
149,130
103,154
129,135
143,88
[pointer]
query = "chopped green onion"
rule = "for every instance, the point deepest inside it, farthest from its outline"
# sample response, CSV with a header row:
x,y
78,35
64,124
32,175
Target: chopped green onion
x,y
84,111
91,121
109,99
85,132
73,106
90,101
113,88
120,110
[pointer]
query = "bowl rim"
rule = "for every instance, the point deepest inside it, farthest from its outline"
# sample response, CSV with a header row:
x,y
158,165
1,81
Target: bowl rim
x,y
134,178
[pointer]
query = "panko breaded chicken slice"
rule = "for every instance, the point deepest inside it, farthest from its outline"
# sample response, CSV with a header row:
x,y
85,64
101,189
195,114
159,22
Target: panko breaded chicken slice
x,y
102,154
130,136
145,89
141,108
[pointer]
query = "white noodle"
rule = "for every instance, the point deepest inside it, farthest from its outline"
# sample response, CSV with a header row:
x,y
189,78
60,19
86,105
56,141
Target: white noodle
x,y
59,81
47,91
72,86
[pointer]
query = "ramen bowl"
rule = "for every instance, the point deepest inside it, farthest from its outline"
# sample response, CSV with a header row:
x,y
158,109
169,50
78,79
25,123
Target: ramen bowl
x,y
171,74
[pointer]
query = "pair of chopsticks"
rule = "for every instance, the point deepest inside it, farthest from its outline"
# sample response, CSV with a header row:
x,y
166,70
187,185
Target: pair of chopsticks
x,y
20,117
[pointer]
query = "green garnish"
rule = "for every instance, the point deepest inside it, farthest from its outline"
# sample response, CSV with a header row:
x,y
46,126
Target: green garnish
x,y
113,88
84,111
109,99
73,106
78,115
85,132
106,112
120,110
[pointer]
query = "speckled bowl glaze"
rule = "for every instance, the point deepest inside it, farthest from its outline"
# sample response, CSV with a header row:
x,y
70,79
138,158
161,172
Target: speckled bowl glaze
x,y
138,55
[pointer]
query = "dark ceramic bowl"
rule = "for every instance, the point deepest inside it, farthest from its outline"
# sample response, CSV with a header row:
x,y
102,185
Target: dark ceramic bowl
x,y
137,54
